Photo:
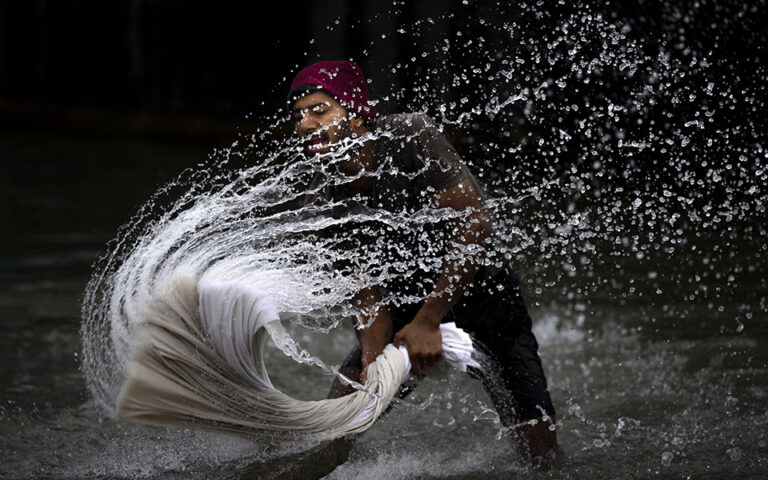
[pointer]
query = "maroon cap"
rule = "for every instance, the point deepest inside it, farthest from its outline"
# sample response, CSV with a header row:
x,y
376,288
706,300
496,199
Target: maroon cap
x,y
342,79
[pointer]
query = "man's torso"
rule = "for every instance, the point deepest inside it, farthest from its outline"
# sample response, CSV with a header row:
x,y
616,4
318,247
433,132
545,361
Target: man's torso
x,y
413,162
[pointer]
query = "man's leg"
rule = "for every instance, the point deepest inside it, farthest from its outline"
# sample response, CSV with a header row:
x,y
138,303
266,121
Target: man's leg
x,y
338,449
514,378
517,388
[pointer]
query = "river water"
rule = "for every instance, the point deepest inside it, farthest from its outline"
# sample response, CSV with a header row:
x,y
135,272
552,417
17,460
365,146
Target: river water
x,y
640,245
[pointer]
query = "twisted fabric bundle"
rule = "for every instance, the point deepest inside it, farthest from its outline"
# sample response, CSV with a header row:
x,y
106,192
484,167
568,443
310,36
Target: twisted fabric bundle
x,y
199,363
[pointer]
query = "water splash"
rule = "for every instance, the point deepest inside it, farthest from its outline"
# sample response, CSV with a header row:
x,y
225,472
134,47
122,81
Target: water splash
x,y
599,152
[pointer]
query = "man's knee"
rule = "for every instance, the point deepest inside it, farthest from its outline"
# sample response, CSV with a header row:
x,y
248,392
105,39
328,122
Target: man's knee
x,y
351,368
340,388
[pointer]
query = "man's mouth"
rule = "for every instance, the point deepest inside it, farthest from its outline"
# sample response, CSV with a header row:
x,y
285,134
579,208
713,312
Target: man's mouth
x,y
317,143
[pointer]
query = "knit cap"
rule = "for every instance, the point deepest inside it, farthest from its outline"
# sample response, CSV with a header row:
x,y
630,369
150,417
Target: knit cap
x,y
342,79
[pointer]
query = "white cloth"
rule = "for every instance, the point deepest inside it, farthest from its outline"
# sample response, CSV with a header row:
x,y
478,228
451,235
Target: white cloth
x,y
457,347
457,352
199,362
234,315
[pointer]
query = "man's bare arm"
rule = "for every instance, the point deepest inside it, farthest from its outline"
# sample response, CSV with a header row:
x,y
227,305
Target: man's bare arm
x,y
378,334
422,335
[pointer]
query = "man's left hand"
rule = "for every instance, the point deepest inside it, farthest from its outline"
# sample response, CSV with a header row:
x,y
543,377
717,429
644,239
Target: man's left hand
x,y
424,342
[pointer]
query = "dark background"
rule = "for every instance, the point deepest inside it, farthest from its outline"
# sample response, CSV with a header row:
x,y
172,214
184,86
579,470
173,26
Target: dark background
x,y
228,58
220,60
102,102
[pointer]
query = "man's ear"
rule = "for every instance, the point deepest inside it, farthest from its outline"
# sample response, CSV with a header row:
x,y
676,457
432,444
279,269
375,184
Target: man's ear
x,y
356,122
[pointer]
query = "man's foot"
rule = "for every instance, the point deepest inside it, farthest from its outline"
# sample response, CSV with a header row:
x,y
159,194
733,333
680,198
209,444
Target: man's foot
x,y
538,439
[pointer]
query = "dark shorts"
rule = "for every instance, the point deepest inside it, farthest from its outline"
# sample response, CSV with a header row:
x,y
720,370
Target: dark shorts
x,y
493,313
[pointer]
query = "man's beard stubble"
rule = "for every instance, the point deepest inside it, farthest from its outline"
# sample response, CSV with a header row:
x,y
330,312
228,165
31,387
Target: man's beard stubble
x,y
345,145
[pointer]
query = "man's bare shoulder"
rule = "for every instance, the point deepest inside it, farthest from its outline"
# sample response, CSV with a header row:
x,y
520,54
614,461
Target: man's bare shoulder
x,y
405,123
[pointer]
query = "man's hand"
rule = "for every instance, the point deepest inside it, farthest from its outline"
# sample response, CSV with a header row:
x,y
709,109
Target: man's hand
x,y
423,340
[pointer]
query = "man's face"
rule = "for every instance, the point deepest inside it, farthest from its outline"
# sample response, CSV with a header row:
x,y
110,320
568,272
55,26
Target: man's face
x,y
321,121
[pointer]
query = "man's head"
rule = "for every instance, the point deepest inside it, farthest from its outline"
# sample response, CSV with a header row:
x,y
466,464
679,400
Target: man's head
x,y
329,102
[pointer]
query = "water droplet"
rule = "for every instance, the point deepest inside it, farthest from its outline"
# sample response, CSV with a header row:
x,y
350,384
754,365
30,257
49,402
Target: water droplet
x,y
734,454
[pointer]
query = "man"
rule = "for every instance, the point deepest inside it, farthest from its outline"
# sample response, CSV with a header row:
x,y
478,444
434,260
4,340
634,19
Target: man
x,y
403,164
